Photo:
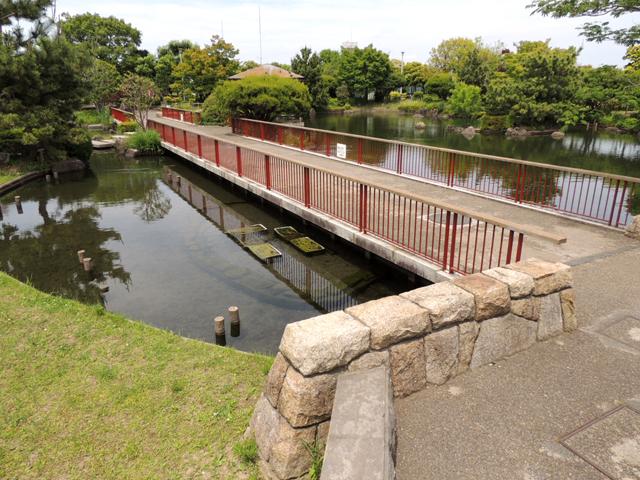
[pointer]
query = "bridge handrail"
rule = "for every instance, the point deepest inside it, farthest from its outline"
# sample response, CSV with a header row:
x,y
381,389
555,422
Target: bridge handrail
x,y
526,229
560,168
564,189
374,209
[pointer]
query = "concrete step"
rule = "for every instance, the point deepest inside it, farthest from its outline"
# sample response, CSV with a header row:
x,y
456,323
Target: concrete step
x,y
362,440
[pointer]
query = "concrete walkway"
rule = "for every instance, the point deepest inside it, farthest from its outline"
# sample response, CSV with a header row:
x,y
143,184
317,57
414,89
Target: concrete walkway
x,y
584,241
506,421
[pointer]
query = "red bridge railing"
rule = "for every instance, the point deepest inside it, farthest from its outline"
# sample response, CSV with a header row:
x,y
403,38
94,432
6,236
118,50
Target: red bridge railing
x,y
457,240
121,115
600,197
182,115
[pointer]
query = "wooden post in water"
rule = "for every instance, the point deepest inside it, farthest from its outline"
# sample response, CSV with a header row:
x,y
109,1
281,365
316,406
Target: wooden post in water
x,y
56,176
81,256
87,263
234,315
18,204
219,330
47,177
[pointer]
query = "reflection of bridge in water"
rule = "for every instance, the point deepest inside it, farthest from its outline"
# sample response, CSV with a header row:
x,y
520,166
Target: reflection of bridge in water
x,y
319,287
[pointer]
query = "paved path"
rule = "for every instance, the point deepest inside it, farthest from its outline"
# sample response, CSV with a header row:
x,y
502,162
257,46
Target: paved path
x,y
584,241
505,421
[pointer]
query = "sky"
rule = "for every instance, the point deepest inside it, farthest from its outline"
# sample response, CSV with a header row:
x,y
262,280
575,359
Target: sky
x,y
410,26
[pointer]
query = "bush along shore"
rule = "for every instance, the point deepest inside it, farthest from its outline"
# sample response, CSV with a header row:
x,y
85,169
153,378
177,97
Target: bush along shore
x,y
85,393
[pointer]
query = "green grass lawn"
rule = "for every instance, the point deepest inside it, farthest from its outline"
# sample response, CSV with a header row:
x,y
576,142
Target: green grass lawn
x,y
85,393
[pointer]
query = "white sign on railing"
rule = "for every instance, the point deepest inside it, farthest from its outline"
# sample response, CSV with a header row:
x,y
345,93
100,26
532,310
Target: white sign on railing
x,y
341,150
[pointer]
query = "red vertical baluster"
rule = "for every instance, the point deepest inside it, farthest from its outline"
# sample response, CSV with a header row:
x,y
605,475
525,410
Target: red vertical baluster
x,y
173,135
510,247
624,190
452,167
307,188
184,137
360,150
267,171
519,249
217,151
453,243
399,166
446,239
239,161
327,145
301,139
613,205
199,146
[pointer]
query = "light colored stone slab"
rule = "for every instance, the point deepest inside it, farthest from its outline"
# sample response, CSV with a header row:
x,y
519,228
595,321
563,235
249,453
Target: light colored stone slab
x,y
391,320
548,277
370,360
362,434
264,425
528,307
568,303
520,284
501,337
306,401
441,355
289,457
550,323
275,379
446,303
408,367
322,343
492,296
468,332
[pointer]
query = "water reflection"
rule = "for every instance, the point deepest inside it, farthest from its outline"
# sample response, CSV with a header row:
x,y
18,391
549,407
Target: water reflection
x,y
166,258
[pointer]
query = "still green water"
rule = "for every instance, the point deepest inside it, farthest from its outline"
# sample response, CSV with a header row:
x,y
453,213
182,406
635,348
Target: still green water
x,y
168,261
602,151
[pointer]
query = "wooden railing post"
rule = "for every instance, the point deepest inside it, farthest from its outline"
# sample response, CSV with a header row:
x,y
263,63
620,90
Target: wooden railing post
x,y
307,187
238,161
217,152
267,172
199,146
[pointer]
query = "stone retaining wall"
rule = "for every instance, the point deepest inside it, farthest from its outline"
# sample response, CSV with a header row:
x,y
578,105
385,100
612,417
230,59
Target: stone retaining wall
x,y
424,336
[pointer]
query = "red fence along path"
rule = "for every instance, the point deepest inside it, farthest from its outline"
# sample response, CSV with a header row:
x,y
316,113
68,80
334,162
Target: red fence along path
x,y
600,197
456,240
121,115
182,115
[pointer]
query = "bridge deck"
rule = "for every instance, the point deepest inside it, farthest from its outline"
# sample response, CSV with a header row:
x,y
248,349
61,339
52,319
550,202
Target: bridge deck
x,y
584,241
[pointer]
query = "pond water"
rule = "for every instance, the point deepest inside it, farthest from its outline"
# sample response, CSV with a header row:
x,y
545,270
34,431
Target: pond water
x,y
601,151
166,258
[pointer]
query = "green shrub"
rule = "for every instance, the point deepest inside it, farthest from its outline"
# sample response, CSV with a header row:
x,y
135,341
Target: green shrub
x,y
629,123
411,106
129,126
261,98
418,95
145,141
93,117
465,101
78,144
397,96
337,105
495,123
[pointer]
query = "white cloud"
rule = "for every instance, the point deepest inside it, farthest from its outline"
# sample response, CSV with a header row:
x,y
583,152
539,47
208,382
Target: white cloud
x,y
412,26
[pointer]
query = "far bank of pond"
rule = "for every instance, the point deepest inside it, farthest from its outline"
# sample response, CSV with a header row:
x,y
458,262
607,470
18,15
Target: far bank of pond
x,y
172,263
601,151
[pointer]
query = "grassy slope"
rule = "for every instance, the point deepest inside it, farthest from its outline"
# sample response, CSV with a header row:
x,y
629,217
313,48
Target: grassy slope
x,y
88,394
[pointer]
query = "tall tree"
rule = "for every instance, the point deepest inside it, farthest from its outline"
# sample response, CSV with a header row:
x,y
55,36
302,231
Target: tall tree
x,y
168,57
107,38
594,31
42,83
31,11
471,61
309,65
365,70
138,95
201,69
104,81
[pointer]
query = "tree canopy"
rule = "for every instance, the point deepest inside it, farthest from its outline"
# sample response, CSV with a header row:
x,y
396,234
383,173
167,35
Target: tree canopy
x,y
308,64
108,38
594,31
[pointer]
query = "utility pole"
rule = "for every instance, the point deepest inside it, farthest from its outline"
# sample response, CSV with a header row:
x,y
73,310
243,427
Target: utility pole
x,y
260,32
